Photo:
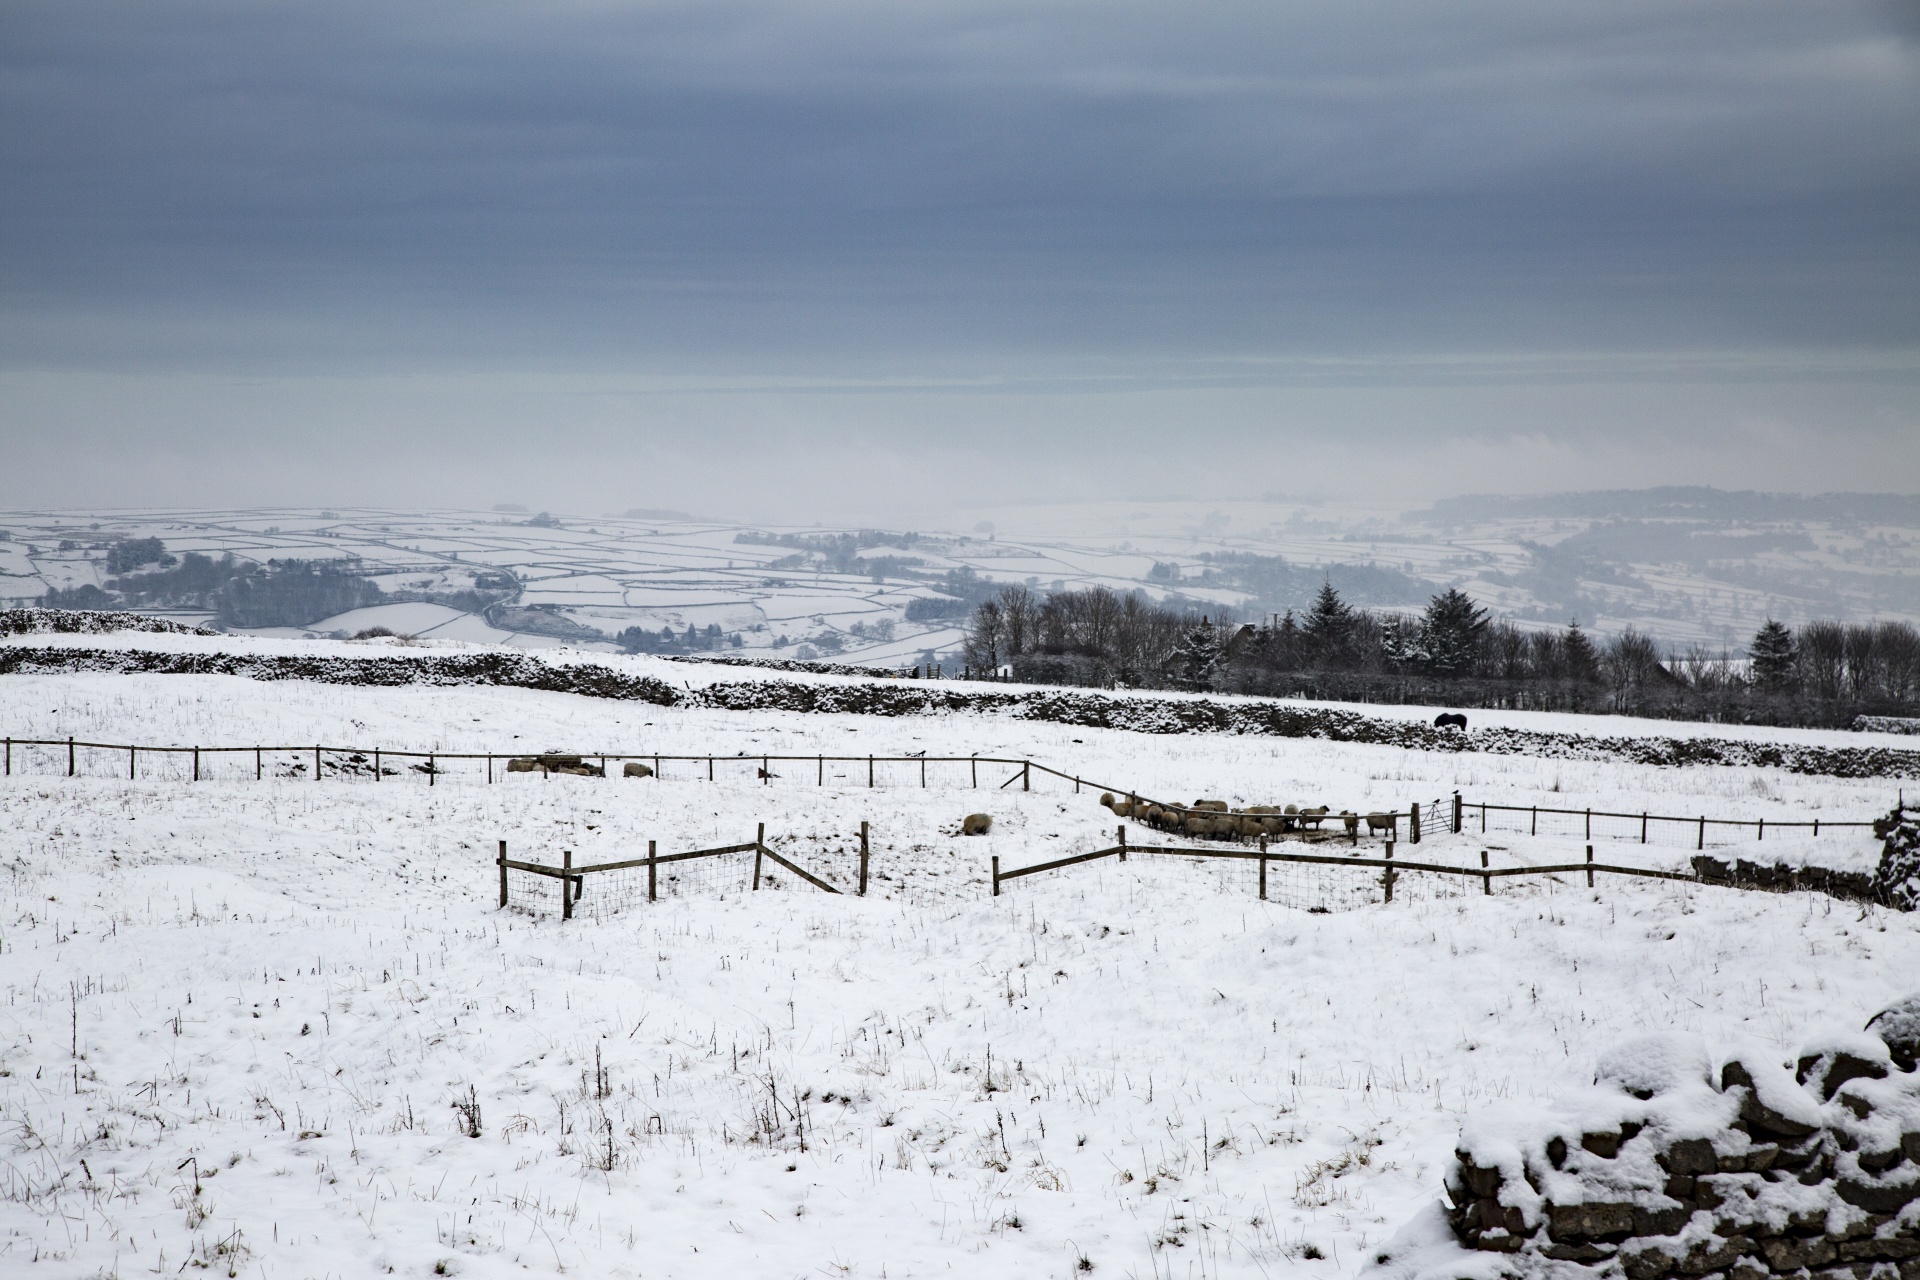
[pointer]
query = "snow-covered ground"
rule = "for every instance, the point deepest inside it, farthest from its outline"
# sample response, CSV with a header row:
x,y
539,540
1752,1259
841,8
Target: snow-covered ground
x,y
239,1014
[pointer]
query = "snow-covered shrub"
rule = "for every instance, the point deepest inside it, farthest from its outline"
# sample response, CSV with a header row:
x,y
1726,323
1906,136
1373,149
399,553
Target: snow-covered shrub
x,y
1897,880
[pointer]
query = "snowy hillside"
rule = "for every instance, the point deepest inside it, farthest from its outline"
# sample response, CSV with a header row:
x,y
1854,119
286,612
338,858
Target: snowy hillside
x,y
281,1027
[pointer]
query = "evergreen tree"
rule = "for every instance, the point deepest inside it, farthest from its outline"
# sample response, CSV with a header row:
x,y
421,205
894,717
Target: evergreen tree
x,y
1197,655
1583,664
1774,656
1328,626
1450,632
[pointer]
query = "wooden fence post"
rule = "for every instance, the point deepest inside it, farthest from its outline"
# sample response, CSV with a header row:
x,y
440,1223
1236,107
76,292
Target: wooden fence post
x,y
70,765
1122,835
503,873
130,773
1483,817
759,847
996,875
256,764
376,766
1703,832
1456,813
974,761
196,764
766,771
1386,876
1263,868
1589,824
1413,826
1763,830
1534,830
376,763
863,858
869,770
653,866
432,769
1486,881
566,884
821,766
1589,866
1643,826
9,757
1026,776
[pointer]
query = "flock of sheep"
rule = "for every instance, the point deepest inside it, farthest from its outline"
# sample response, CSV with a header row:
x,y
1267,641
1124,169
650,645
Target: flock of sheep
x,y
1214,819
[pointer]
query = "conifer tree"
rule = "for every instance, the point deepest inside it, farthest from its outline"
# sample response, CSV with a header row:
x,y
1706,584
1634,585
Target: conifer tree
x,y
1450,632
1328,626
1774,653
1583,664
1197,655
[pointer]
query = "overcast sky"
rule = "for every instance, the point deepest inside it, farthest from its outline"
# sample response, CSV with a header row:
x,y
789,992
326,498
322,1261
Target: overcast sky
x,y
862,261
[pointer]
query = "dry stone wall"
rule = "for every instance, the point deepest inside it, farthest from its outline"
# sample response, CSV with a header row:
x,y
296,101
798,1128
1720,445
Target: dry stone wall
x,y
1895,882
1677,1164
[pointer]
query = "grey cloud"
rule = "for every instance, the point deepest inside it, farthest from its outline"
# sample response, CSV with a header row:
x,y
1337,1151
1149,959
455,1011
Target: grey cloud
x,y
973,200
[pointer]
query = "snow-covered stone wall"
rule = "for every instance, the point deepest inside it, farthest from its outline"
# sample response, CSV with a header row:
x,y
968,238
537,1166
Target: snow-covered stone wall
x,y
1681,1163
1894,883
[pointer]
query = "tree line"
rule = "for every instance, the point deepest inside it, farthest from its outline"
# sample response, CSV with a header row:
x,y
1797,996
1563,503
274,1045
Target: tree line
x,y
1449,654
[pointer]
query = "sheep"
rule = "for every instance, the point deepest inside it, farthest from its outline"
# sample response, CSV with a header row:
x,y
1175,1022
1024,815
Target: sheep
x,y
975,824
636,770
1387,822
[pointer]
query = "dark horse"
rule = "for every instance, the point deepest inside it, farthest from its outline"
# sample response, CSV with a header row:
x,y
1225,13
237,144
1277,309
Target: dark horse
x,y
1450,720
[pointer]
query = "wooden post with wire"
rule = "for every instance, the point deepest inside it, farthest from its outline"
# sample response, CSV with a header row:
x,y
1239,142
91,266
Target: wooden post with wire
x,y
503,873
130,766
653,867
1589,866
1413,825
256,765
1386,876
70,764
1263,868
1120,837
863,858
1486,881
759,847
566,884
996,875
196,764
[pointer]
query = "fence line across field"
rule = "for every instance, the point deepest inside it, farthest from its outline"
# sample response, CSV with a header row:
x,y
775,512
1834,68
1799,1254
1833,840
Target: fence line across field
x,y
372,760
1626,826
1391,868
572,877
974,772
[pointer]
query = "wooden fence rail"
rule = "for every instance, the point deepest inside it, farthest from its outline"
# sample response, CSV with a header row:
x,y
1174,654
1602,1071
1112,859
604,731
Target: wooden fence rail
x,y
573,877
1391,868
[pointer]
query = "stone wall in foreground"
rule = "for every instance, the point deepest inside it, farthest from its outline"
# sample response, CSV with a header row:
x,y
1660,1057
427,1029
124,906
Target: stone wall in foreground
x,y
1677,1163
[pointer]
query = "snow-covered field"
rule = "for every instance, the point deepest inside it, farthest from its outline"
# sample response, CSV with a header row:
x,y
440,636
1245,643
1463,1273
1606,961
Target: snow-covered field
x,y
239,1014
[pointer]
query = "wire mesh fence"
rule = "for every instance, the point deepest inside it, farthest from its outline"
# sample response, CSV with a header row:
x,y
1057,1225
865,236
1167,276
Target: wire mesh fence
x,y
1698,832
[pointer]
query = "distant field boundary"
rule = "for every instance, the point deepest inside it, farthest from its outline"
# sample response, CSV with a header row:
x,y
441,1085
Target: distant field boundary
x,y
1456,814
1135,713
